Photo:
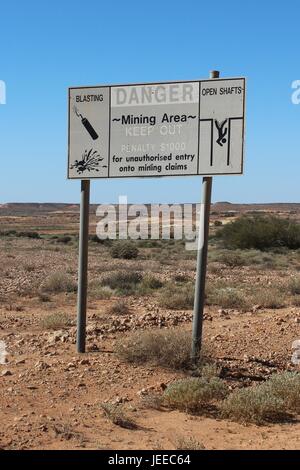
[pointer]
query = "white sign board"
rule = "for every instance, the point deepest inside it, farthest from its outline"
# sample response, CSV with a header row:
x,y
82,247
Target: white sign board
x,y
157,129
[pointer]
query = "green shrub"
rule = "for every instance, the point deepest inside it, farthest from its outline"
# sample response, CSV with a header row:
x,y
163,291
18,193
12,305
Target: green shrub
x,y
181,278
254,405
28,234
59,282
286,386
96,239
231,259
148,284
124,282
177,296
148,243
124,250
7,233
64,239
260,232
218,223
294,286
194,394
151,282
167,348
227,297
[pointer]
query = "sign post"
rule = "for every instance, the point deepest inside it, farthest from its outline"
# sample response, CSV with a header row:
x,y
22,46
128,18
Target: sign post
x,y
83,265
201,260
145,130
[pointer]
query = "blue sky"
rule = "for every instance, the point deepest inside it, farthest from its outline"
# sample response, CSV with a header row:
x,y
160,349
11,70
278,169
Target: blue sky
x,y
50,45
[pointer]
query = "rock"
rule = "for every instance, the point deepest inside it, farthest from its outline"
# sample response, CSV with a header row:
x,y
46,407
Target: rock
x,y
162,385
255,308
119,400
84,362
20,361
6,373
56,336
217,337
145,391
40,365
222,311
70,365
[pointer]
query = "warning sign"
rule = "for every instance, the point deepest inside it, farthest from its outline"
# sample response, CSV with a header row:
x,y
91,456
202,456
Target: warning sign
x,y
157,129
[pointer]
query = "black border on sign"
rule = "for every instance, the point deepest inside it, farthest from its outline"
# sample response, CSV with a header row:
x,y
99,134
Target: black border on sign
x,y
243,117
155,83
109,131
68,169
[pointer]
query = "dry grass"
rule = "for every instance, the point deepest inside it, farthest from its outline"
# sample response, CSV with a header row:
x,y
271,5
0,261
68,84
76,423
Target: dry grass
x,y
44,297
149,284
269,297
167,348
188,443
118,308
59,282
295,300
56,321
209,371
116,414
177,296
65,432
152,401
227,297
97,291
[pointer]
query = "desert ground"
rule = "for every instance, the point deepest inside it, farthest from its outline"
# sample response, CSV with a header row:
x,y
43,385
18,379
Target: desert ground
x,y
54,398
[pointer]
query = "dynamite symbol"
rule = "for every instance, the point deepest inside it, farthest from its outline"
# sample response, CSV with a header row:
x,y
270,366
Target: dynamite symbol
x,y
86,123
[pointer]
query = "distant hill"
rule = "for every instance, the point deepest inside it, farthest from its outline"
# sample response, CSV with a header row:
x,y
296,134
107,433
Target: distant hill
x,y
272,207
19,209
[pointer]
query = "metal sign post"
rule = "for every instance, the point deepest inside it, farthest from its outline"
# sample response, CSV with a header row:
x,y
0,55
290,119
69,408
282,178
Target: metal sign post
x,y
201,260
83,264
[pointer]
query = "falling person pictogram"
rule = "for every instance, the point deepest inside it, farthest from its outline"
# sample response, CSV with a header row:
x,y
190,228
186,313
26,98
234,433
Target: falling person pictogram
x,y
86,123
222,132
